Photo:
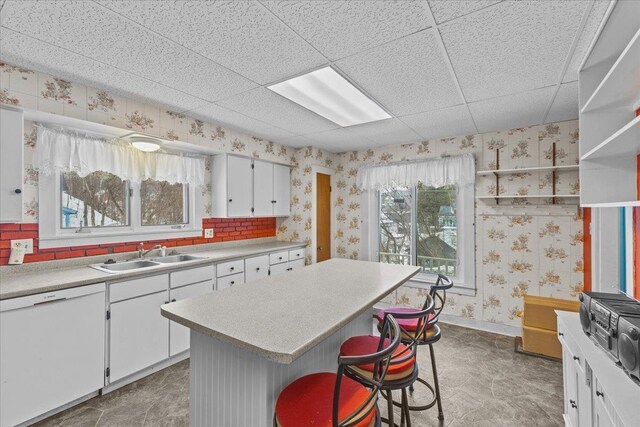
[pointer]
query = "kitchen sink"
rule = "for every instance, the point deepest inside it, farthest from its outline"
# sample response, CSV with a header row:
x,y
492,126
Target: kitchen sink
x,y
125,266
176,258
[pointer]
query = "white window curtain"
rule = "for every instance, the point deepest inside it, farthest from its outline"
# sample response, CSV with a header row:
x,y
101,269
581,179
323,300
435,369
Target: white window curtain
x,y
60,150
458,170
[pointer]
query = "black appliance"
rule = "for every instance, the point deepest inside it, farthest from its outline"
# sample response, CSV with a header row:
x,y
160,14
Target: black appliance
x,y
586,298
629,344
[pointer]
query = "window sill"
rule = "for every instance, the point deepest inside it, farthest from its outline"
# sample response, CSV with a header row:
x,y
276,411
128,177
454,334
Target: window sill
x,y
423,283
83,239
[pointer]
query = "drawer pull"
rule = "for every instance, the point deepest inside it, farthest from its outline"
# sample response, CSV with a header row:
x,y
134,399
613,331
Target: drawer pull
x,y
257,268
573,404
560,334
232,268
599,393
279,257
232,282
173,300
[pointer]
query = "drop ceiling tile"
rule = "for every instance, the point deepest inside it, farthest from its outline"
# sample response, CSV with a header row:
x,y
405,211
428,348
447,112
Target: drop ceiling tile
x,y
511,111
240,35
448,122
36,55
588,33
387,132
215,113
406,76
511,47
565,104
446,10
342,28
93,31
340,140
267,106
297,141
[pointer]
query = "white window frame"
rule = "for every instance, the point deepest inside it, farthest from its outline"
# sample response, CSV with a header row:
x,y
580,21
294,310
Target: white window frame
x,y
464,283
52,235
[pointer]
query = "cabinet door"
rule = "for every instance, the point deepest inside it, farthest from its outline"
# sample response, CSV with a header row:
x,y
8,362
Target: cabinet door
x,y
262,188
281,190
239,186
601,417
279,269
256,268
296,264
139,335
570,387
178,334
11,164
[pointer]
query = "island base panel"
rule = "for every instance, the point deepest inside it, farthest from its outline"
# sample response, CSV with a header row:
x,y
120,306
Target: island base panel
x,y
231,386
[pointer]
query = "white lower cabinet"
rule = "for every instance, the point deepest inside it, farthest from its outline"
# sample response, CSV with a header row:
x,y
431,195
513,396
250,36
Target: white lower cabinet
x,y
138,333
51,351
596,391
179,336
228,281
282,262
256,268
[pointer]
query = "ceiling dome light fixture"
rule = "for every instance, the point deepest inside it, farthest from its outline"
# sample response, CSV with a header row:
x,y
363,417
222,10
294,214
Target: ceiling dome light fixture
x,y
145,144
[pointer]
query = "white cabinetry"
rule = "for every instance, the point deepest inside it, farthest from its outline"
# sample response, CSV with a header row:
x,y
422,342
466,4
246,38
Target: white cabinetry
x,y
51,351
596,391
256,268
284,261
179,340
139,335
11,164
242,187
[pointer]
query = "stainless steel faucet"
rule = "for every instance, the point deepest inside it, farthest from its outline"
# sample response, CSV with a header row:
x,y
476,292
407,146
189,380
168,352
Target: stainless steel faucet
x,y
142,253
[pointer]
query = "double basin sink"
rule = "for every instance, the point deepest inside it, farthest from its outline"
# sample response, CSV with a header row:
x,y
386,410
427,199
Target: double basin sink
x,y
144,263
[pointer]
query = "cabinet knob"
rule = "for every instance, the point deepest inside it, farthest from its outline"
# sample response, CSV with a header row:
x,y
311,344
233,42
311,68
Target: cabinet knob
x,y
173,300
232,282
230,200
257,268
576,358
560,334
573,404
232,268
279,257
599,393
17,191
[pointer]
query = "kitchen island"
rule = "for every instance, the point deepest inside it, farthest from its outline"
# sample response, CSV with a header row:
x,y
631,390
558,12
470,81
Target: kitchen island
x,y
249,341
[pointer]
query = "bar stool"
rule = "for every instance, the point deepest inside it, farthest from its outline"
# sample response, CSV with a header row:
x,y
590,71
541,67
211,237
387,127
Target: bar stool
x,y
403,369
339,400
432,334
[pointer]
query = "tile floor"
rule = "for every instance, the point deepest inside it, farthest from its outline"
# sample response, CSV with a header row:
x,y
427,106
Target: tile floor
x,y
483,383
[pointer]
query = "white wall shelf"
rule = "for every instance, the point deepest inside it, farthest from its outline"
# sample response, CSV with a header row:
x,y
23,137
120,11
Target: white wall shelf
x,y
528,170
632,203
625,141
620,87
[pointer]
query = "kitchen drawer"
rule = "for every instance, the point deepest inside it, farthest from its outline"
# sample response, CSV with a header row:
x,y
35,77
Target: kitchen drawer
x,y
278,257
228,281
296,264
132,288
192,275
296,254
231,267
256,268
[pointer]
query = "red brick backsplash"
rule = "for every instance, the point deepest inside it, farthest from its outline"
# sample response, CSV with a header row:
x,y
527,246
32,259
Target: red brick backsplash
x,y
225,229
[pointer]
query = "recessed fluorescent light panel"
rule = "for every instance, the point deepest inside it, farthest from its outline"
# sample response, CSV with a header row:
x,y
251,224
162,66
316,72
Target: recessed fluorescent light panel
x,y
330,95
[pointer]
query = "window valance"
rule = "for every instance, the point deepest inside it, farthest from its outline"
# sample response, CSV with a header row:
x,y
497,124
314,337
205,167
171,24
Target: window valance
x,y
459,170
59,150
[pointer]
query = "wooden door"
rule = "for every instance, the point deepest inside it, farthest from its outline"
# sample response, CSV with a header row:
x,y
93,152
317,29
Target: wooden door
x,y
323,217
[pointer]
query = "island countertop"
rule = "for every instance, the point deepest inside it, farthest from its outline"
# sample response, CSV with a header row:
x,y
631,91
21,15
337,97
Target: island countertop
x,y
282,317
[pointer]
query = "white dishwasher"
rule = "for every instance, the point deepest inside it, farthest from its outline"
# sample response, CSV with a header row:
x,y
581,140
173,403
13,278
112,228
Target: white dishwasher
x,y
51,350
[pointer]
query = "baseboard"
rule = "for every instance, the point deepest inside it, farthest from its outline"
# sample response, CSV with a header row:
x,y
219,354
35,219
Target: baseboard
x,y
482,325
58,409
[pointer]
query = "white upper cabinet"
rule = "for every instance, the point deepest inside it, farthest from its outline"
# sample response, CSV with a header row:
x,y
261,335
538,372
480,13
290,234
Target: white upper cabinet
x,y
11,164
263,188
281,190
243,187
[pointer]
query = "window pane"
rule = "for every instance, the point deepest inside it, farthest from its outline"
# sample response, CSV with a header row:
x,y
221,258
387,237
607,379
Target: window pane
x,y
395,226
437,228
163,203
97,200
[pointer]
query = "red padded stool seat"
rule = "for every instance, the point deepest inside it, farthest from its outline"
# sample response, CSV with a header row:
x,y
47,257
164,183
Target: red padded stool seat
x,y
308,401
368,344
409,325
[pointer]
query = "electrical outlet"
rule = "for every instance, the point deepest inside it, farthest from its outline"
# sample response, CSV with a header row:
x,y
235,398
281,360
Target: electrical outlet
x,y
208,233
26,244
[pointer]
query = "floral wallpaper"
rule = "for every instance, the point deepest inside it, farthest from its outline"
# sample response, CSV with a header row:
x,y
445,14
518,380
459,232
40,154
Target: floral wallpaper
x,y
523,246
39,91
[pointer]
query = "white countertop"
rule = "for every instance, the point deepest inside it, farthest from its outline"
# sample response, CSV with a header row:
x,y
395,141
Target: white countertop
x,y
282,317
48,278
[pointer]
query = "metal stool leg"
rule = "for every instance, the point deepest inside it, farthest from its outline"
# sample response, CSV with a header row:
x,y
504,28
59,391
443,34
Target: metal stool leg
x,y
435,382
405,407
390,409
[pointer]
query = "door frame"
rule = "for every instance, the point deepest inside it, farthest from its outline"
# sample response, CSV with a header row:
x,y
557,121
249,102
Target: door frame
x,y
315,170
